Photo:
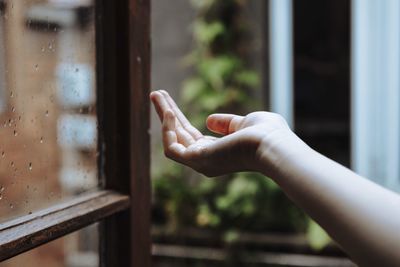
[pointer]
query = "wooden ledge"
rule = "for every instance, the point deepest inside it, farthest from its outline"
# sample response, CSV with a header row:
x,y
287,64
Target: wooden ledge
x,y
30,231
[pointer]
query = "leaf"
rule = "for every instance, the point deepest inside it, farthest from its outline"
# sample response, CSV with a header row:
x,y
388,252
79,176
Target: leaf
x,y
205,217
317,237
231,236
248,78
212,101
206,33
192,89
217,70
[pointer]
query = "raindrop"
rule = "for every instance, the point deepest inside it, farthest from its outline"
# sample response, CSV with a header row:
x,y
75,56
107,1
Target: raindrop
x,y
41,140
12,163
11,206
50,46
36,67
30,166
43,49
11,94
3,154
2,188
47,113
1,196
15,133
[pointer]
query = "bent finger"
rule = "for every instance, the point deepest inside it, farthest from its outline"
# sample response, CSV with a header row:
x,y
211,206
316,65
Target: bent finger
x,y
160,104
224,123
181,117
184,137
172,148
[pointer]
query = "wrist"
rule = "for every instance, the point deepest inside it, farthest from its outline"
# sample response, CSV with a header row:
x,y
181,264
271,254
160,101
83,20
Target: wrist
x,y
277,151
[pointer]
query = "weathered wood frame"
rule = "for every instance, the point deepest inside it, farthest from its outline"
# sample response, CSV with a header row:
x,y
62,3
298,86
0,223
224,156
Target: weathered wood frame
x,y
123,203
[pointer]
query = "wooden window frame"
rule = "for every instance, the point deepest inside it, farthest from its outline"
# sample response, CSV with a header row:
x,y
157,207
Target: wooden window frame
x,y
122,204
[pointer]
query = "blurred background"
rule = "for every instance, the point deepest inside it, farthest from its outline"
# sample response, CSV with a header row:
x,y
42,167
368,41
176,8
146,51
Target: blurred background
x,y
330,67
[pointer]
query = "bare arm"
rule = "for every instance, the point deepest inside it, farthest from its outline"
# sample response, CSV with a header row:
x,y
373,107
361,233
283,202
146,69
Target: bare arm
x,y
361,216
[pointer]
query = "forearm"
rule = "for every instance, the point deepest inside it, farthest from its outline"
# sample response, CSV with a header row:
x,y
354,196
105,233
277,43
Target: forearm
x,y
360,215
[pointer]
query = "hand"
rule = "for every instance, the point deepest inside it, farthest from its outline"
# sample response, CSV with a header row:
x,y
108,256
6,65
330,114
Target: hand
x,y
245,138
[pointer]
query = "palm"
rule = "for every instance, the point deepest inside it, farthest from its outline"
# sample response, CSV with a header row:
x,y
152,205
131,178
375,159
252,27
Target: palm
x,y
235,151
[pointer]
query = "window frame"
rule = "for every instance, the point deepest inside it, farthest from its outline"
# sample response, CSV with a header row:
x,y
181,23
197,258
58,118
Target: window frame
x,y
122,204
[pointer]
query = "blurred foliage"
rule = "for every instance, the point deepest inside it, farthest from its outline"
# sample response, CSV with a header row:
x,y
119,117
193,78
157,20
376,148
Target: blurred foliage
x,y
223,82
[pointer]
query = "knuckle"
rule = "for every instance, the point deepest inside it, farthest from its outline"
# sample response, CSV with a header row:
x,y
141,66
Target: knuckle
x,y
279,118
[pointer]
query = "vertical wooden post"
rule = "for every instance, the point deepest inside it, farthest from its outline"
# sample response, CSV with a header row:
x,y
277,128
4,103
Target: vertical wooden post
x,y
123,80
139,34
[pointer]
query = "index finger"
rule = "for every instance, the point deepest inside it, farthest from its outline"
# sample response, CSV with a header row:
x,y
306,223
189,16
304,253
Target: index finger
x,y
160,104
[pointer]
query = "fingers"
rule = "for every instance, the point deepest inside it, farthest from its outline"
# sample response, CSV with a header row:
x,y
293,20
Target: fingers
x,y
160,104
180,116
172,148
224,123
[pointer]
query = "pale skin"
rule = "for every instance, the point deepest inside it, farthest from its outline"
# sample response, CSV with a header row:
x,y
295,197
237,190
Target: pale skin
x,y
361,216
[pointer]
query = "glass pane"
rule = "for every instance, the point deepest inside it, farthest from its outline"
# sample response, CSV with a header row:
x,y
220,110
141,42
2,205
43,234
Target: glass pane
x,y
79,249
48,126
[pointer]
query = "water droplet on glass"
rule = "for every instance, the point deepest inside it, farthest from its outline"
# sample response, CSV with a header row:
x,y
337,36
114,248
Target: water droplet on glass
x,y
47,113
43,49
12,163
3,154
15,133
30,166
41,140
1,196
11,94
36,66
11,206
2,188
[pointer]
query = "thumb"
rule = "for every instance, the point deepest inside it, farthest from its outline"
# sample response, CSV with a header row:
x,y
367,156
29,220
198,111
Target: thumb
x,y
224,123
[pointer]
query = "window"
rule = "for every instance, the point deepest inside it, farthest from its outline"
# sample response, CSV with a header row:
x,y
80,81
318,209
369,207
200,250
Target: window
x,y
93,57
